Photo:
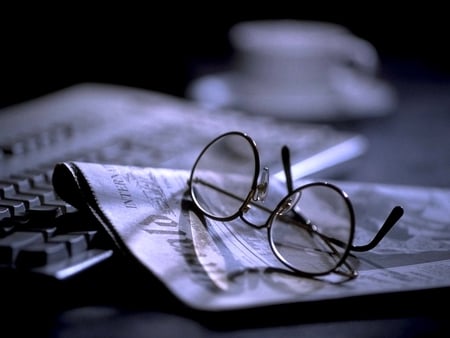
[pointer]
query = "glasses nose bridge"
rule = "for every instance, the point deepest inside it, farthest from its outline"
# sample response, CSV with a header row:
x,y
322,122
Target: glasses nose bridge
x,y
262,187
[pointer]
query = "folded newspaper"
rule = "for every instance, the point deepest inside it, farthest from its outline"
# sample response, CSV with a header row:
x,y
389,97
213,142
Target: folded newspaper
x,y
212,265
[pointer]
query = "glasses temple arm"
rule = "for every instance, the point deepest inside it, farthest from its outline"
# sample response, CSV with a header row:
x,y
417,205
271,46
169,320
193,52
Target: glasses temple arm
x,y
286,160
393,217
390,221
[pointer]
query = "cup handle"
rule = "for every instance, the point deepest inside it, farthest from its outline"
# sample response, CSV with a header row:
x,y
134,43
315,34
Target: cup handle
x,y
361,53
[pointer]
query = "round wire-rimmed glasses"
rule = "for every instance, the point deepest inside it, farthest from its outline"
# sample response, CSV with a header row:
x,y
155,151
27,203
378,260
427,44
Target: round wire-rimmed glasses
x,y
310,230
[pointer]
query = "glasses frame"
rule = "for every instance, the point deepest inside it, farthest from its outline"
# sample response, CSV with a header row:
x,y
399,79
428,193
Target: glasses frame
x,y
258,191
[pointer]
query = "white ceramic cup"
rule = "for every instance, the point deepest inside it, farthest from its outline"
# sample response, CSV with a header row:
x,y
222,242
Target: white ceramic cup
x,y
298,56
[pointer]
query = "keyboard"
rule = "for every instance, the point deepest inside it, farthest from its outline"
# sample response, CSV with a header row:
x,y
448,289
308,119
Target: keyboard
x,y
41,234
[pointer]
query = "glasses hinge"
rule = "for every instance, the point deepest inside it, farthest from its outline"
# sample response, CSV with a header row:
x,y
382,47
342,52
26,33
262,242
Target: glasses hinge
x,y
263,186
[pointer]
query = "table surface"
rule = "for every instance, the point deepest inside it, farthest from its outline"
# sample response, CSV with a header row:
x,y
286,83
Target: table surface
x,y
410,146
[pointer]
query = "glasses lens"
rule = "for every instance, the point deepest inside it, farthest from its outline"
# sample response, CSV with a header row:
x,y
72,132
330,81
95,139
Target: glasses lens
x,y
224,174
313,228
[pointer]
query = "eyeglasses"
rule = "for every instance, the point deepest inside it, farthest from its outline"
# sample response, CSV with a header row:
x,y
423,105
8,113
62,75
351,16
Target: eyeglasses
x,y
310,230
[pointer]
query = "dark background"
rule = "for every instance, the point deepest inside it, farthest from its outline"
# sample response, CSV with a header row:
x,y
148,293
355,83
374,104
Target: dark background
x,y
162,48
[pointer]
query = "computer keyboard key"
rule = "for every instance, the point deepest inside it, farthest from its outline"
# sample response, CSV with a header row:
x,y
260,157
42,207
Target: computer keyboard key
x,y
47,232
41,254
7,189
45,214
19,183
75,243
12,243
44,195
92,238
74,222
65,207
34,176
4,212
16,208
28,200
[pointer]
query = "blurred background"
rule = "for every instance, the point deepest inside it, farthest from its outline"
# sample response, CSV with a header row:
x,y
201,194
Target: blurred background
x,y
163,49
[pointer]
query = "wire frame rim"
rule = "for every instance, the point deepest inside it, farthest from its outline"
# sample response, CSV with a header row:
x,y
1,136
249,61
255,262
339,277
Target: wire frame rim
x,y
348,247
254,182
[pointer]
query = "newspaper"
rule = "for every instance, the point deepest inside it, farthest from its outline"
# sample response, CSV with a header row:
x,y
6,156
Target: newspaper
x,y
211,265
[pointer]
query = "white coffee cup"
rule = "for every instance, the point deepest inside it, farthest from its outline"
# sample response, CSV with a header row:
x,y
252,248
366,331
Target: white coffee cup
x,y
301,55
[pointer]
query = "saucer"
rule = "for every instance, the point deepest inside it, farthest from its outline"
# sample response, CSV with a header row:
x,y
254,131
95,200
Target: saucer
x,y
347,96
